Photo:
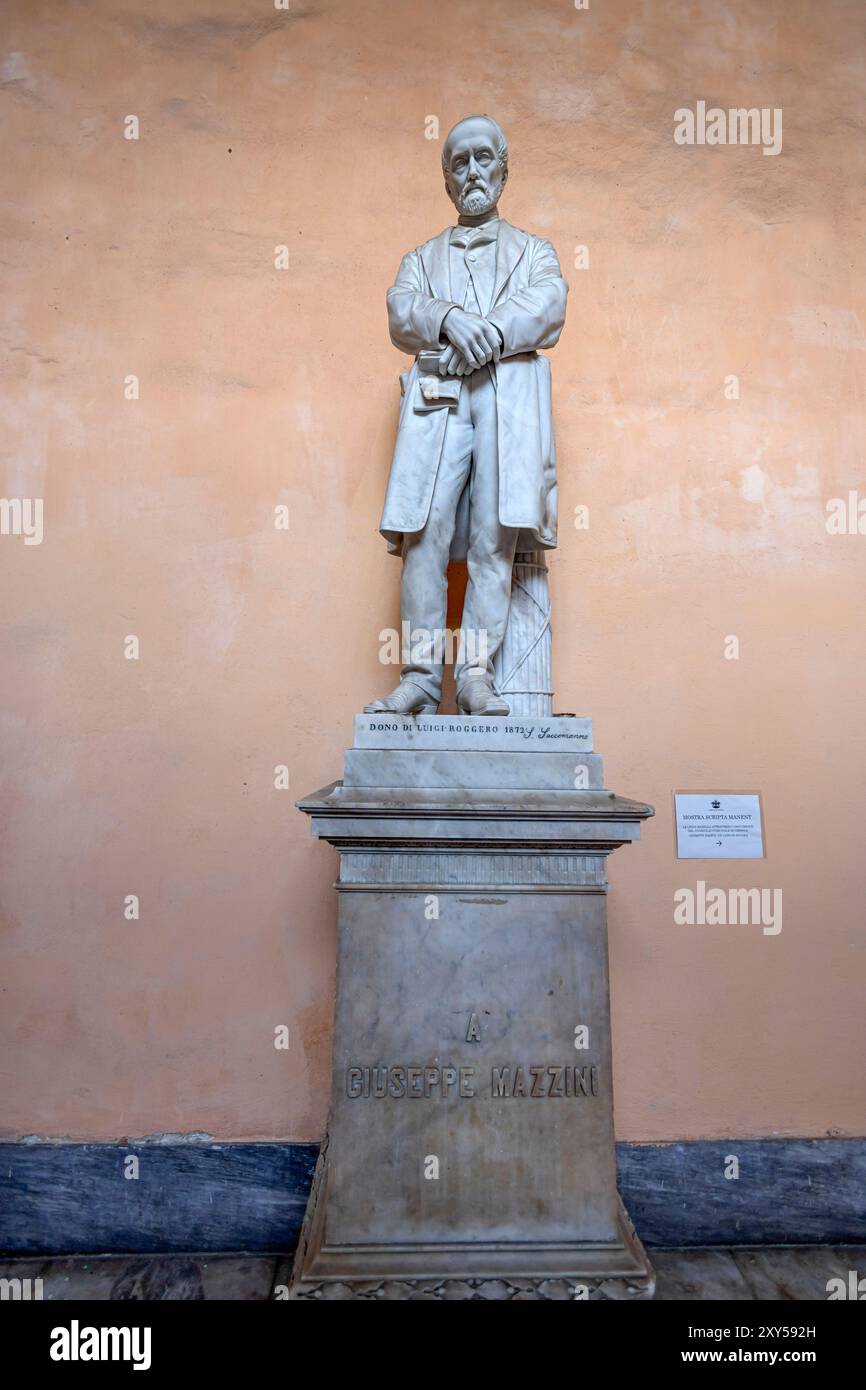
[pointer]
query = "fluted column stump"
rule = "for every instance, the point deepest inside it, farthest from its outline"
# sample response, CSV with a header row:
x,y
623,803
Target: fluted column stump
x,y
523,664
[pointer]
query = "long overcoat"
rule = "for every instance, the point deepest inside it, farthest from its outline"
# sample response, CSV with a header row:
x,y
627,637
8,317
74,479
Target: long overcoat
x,y
528,307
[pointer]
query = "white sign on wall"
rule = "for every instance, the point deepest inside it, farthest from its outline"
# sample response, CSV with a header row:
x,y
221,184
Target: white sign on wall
x,y
718,825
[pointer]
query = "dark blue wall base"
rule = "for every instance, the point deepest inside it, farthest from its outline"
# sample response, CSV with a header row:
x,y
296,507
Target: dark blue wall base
x,y
789,1191
74,1198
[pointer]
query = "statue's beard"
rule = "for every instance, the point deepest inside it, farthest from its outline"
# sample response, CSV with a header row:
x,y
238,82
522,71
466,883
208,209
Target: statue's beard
x,y
476,200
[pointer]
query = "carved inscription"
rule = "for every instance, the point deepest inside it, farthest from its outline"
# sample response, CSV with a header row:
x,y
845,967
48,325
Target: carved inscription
x,y
538,730
414,1082
504,1083
536,1082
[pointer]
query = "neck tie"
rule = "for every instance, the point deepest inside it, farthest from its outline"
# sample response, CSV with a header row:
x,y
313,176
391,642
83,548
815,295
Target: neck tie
x,y
475,236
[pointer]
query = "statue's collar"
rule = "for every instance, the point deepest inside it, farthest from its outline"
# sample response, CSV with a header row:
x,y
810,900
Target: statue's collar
x,y
511,244
470,222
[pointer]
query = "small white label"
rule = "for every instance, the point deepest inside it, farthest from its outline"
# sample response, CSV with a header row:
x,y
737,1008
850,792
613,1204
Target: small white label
x,y
719,825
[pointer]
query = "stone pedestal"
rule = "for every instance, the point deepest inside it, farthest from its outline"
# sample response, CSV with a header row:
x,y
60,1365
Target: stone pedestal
x,y
470,1148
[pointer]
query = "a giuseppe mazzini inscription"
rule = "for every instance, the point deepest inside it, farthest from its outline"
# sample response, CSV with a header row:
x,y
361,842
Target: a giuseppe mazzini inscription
x,y
442,1083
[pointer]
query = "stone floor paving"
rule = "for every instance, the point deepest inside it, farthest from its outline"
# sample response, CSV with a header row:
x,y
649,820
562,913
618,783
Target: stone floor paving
x,y
768,1273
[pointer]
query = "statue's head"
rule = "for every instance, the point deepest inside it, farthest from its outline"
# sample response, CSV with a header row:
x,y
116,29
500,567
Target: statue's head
x,y
475,164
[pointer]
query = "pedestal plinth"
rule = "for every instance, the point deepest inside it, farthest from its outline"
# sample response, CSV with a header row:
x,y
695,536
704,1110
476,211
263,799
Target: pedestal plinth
x,y
470,1147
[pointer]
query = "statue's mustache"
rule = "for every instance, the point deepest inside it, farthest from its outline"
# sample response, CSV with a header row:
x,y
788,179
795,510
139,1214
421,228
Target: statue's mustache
x,y
478,192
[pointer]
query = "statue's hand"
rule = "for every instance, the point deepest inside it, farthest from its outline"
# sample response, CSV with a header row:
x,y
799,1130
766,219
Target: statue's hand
x,y
475,339
453,363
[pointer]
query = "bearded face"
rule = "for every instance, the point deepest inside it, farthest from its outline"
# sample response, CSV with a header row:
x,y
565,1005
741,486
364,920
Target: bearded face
x,y
480,197
475,172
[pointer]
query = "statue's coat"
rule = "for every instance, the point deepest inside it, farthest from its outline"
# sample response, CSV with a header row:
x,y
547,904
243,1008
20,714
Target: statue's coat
x,y
528,307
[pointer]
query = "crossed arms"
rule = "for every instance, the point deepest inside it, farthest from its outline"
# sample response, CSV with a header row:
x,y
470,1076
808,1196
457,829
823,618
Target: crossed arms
x,y
531,318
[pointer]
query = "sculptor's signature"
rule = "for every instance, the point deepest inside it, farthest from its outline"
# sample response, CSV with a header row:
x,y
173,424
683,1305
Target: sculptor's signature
x,y
527,731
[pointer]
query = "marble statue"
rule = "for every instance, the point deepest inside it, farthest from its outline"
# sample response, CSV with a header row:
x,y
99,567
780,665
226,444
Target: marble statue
x,y
470,1148
473,475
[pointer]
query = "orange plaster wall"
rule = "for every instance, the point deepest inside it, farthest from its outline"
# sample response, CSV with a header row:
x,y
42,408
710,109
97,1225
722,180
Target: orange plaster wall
x,y
260,386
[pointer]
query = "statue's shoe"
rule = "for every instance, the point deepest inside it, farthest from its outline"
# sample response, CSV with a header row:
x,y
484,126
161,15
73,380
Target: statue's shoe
x,y
477,696
408,698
